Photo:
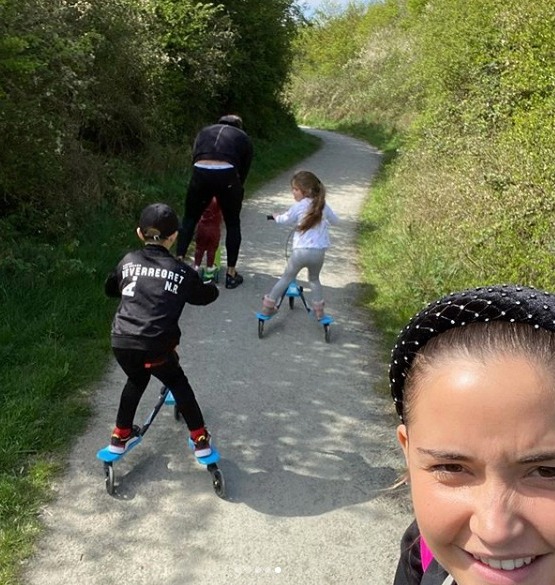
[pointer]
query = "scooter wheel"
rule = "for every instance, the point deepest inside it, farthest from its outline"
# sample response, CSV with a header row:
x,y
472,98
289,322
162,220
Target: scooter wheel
x,y
260,328
291,302
218,483
327,333
110,478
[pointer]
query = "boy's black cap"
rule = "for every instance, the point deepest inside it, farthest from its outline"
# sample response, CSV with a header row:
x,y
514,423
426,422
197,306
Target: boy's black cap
x,y
158,221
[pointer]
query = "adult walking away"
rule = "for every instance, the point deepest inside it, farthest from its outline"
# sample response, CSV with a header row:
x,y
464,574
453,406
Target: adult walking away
x,y
222,156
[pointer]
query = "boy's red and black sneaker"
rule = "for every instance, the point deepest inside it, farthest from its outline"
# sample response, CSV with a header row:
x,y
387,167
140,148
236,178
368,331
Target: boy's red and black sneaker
x,y
122,439
201,441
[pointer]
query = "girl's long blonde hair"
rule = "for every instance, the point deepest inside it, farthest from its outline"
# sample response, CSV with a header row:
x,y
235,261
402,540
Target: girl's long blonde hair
x,y
310,186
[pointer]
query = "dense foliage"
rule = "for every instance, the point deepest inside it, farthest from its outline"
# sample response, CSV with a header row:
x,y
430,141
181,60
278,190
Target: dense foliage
x,y
92,91
99,104
468,88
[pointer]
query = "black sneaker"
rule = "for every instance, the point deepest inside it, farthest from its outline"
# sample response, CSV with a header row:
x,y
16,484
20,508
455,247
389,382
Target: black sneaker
x,y
233,281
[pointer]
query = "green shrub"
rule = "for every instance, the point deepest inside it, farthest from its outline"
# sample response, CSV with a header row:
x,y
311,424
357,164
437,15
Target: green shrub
x,y
468,88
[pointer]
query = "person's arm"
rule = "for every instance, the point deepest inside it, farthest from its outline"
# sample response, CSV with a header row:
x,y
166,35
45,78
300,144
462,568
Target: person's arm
x,y
242,145
291,216
199,292
111,285
247,160
330,215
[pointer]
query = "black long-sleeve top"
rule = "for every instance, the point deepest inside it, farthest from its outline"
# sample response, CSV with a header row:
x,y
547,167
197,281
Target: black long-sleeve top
x,y
153,287
227,143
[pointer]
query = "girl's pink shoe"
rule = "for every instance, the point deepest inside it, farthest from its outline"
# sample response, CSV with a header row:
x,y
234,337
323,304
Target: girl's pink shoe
x,y
318,307
268,306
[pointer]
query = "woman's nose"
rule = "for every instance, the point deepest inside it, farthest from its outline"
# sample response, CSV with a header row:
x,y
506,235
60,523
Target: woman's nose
x,y
496,513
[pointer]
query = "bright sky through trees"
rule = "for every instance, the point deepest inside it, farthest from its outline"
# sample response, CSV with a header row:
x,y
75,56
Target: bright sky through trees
x,y
328,5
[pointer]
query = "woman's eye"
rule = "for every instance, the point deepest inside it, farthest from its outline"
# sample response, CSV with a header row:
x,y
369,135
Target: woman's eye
x,y
546,472
447,468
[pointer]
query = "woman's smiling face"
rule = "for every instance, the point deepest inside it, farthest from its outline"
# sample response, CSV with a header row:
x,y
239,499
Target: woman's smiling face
x,y
480,450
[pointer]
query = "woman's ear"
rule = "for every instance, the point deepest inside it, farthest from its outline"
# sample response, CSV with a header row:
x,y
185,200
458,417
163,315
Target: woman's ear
x,y
403,438
140,234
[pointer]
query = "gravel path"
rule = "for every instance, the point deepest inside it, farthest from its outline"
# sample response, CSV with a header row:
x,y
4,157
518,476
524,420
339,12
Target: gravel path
x,y
307,446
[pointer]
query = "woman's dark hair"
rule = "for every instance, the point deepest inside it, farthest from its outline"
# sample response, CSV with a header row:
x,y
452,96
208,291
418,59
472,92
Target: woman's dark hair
x,y
524,319
478,342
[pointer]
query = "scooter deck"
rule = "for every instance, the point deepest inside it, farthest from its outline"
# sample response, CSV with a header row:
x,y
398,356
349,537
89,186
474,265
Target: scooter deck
x,y
263,317
326,320
107,456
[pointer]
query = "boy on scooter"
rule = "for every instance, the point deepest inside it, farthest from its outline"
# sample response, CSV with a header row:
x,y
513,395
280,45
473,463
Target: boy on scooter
x,y
153,287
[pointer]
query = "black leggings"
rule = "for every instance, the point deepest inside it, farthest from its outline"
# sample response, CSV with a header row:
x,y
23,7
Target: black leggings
x,y
225,185
139,366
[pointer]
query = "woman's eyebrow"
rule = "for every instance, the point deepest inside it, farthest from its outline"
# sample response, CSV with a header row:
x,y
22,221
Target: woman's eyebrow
x,y
538,457
453,456
439,454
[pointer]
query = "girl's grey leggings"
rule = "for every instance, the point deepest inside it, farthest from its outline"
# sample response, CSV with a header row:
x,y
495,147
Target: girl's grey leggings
x,y
311,258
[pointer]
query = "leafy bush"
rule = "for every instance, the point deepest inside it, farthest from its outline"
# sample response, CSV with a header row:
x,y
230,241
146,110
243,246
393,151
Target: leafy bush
x,y
468,199
89,87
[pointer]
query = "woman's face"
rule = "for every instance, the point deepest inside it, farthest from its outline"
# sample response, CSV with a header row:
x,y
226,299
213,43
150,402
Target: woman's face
x,y
480,450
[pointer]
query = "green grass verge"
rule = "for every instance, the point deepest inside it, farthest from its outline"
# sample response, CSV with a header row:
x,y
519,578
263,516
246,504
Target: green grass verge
x,y
54,339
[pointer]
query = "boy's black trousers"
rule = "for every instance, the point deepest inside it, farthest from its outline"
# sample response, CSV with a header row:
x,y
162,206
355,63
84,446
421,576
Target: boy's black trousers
x,y
139,366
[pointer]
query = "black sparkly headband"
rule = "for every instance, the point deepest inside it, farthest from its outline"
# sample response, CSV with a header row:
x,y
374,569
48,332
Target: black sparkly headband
x,y
513,304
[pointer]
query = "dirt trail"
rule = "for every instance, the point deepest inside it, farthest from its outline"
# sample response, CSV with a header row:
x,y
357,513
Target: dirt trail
x,y
307,445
